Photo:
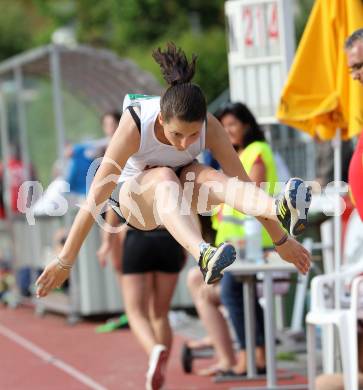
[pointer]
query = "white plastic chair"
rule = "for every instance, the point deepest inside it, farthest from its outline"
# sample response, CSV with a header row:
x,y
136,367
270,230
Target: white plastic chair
x,y
327,245
345,320
325,314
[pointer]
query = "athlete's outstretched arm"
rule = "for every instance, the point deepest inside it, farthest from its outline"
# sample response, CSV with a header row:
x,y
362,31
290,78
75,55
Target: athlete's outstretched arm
x,y
123,144
250,196
219,144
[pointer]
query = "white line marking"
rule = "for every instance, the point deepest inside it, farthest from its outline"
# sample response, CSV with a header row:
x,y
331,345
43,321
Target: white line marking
x,y
44,355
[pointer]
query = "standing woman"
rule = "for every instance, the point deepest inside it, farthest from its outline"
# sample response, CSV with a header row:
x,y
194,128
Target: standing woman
x,y
154,161
148,274
257,158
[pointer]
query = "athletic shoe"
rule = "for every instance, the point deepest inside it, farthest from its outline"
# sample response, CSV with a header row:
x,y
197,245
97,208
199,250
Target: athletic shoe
x,y
213,261
292,206
155,375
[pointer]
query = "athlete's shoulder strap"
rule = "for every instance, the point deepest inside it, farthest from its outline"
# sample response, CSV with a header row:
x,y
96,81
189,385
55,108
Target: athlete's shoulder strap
x,y
135,117
132,102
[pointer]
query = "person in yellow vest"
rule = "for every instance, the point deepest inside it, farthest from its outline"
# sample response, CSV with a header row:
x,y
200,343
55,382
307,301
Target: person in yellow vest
x,y
257,158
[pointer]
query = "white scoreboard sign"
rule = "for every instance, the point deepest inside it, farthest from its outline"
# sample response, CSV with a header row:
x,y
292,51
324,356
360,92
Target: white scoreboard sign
x,y
261,47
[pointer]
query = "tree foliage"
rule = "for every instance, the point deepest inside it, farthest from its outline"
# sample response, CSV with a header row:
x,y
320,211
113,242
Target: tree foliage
x,y
122,24
14,29
302,16
132,28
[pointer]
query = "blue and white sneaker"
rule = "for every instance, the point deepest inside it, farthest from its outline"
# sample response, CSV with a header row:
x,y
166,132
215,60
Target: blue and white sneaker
x,y
292,206
213,261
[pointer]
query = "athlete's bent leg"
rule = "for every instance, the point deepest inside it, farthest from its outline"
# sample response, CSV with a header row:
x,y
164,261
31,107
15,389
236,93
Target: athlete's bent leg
x,y
155,197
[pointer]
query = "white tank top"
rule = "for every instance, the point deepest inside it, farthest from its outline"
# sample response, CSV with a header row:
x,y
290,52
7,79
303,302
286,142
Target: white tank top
x,y
152,152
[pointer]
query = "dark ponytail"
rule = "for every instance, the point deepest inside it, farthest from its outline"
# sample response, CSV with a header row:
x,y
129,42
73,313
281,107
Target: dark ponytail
x,y
174,64
182,99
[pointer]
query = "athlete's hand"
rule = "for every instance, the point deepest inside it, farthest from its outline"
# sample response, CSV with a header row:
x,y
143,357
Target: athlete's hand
x,y
293,252
104,252
52,277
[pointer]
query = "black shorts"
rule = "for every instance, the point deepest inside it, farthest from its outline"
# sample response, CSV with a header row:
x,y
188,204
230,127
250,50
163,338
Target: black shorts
x,y
151,251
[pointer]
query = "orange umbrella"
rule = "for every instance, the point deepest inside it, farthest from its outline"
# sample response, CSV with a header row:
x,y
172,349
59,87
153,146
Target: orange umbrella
x,y
319,96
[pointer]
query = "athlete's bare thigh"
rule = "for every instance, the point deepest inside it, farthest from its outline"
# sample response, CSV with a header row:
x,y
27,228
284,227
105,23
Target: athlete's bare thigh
x,y
205,181
137,197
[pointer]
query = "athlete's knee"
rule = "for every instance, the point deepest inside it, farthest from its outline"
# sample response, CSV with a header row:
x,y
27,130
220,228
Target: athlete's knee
x,y
159,312
210,175
165,174
137,311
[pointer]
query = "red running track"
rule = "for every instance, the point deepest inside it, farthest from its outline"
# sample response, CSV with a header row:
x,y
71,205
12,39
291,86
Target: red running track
x,y
48,354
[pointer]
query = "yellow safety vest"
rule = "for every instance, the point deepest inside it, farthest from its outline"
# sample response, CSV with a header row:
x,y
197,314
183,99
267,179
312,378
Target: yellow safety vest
x,y
228,222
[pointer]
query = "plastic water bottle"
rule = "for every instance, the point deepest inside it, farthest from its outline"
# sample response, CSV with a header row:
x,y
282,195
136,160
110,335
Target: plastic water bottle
x,y
253,237
239,246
